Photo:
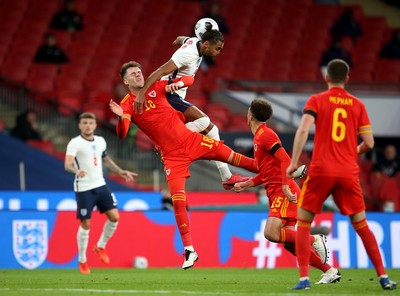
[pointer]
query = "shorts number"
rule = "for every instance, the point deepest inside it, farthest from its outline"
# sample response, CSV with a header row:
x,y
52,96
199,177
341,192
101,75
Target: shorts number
x,y
277,202
338,127
207,142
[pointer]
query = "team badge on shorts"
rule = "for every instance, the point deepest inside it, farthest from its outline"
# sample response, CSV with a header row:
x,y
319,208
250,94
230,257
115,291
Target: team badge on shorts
x,y
83,212
30,242
152,94
168,172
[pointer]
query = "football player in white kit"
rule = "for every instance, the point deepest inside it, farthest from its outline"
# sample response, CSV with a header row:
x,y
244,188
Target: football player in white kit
x,y
85,155
185,62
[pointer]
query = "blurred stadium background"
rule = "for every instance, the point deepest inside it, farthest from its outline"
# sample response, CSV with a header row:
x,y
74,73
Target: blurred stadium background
x,y
273,46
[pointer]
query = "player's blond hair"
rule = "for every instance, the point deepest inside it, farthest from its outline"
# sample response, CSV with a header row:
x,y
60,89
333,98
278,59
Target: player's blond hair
x,y
87,115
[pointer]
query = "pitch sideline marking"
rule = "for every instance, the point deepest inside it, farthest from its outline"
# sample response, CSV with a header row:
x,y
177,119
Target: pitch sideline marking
x,y
152,291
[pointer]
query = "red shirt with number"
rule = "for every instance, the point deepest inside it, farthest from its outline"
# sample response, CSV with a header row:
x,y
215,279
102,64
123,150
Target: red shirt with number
x,y
165,127
339,118
272,162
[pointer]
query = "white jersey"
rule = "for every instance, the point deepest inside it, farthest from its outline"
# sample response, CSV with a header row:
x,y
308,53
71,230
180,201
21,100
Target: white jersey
x,y
187,58
88,157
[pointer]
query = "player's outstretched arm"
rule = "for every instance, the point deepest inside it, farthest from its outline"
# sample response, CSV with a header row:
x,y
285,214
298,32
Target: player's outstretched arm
x,y
128,175
123,123
165,69
178,83
180,40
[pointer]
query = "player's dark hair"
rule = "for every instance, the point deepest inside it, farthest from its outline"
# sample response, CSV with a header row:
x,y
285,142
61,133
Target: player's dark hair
x,y
213,36
338,71
128,65
261,109
87,115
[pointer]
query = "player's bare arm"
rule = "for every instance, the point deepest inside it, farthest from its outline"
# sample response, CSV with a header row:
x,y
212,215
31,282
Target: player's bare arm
x,y
241,186
165,69
367,143
70,167
170,88
289,195
116,109
299,141
180,40
129,176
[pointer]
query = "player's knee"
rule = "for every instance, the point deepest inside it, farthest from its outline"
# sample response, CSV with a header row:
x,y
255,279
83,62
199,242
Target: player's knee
x,y
114,219
272,237
199,125
85,224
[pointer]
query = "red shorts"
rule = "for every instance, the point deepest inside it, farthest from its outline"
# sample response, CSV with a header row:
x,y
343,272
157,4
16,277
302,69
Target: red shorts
x,y
177,162
346,192
280,207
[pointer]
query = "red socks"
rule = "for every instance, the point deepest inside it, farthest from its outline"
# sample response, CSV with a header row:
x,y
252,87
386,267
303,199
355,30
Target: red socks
x,y
303,246
370,244
182,218
288,235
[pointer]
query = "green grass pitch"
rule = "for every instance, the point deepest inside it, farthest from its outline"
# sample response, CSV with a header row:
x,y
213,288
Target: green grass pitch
x,y
195,281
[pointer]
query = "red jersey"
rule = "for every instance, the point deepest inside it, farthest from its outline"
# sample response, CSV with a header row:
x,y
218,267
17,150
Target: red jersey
x,y
272,168
272,162
164,125
339,118
158,113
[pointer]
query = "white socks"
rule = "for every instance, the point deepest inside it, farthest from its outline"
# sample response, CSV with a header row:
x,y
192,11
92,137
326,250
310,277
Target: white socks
x,y
190,248
108,231
222,166
82,238
198,125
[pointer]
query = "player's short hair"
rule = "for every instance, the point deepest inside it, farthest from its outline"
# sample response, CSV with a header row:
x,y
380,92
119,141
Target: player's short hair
x,y
128,65
87,115
261,109
338,70
213,36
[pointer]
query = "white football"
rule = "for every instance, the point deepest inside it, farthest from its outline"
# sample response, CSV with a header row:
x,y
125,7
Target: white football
x,y
202,25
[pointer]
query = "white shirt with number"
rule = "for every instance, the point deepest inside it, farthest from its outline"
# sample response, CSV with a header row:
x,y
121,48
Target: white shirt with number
x,y
187,58
88,157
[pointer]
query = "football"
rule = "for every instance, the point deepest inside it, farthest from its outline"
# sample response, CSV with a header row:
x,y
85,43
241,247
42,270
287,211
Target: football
x,y
203,24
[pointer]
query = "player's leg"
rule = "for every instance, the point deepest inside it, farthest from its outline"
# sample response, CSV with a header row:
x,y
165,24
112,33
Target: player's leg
x,y
302,247
82,238
349,199
330,274
360,225
177,189
314,192
107,204
226,154
84,209
198,121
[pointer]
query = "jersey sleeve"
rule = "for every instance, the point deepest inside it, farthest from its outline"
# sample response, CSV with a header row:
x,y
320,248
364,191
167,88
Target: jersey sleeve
x,y
311,107
364,124
72,148
284,159
269,141
104,145
182,56
123,125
